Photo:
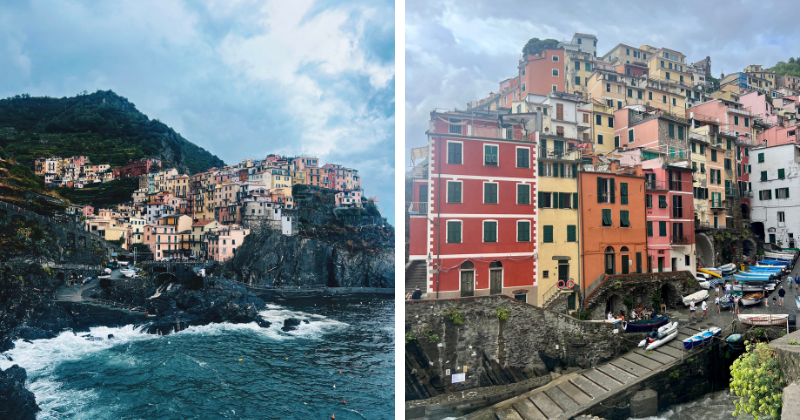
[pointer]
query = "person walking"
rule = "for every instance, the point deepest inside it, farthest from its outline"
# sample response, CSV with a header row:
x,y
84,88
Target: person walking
x,y
704,306
781,294
716,302
736,304
692,311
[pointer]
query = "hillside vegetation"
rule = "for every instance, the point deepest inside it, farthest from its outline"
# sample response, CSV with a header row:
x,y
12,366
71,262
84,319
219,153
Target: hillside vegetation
x,y
103,126
791,68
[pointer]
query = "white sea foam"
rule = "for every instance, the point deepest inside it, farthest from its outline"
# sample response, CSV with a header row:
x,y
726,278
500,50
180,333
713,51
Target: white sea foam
x,y
317,326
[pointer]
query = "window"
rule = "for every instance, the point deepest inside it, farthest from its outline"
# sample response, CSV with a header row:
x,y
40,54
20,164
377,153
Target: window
x,y
747,122
454,153
649,96
649,229
555,58
624,221
680,132
664,98
781,216
760,158
735,120
545,274
623,193
523,194
523,231
605,190
781,173
545,200
599,139
662,201
490,155
572,235
763,175
782,193
630,136
490,193
607,217
454,192
588,67
662,228
616,141
555,71
674,103
671,130
639,94
713,155
577,78
598,120
630,93
453,232
489,231
608,87
648,201
611,122
455,126
523,158
547,233
727,164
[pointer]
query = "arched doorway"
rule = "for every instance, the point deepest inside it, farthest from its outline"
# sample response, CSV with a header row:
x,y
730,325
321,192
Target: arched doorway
x,y
745,211
495,278
625,260
613,305
467,273
705,251
610,260
664,296
749,249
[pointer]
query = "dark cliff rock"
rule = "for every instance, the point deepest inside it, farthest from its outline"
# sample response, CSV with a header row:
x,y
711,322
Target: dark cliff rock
x,y
290,324
16,401
277,260
218,301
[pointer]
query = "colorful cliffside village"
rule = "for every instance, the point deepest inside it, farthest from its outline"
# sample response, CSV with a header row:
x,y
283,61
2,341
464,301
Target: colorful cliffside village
x,y
583,166
205,215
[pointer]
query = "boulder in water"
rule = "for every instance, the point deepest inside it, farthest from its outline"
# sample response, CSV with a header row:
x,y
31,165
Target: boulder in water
x,y
306,321
290,324
16,401
263,323
110,336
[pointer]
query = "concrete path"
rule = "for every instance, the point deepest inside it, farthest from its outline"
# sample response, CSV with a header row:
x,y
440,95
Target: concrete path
x,y
75,293
566,396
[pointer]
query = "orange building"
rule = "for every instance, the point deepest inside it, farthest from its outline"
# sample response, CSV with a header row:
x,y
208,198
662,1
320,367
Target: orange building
x,y
613,228
542,74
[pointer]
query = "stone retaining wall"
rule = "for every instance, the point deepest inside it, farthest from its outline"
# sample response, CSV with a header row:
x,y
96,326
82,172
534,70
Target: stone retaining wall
x,y
532,343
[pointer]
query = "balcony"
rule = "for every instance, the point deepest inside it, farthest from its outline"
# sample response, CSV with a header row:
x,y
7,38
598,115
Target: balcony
x,y
731,192
653,185
746,194
681,240
740,112
559,154
716,204
418,208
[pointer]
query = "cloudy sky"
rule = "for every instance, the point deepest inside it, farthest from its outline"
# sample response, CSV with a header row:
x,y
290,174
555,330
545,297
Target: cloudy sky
x,y
459,51
239,78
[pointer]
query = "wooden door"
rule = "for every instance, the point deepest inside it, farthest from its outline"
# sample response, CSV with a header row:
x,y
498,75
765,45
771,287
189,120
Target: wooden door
x,y
495,282
467,283
625,265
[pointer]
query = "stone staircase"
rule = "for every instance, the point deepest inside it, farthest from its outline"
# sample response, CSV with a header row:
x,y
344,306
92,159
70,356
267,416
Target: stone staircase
x,y
416,275
571,394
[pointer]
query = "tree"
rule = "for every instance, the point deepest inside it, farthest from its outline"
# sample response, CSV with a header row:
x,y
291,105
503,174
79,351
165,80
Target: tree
x,y
535,46
140,249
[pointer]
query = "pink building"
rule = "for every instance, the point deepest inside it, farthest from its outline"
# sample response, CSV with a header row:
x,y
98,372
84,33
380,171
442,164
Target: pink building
x,y
778,135
727,116
759,106
349,198
222,243
669,208
162,240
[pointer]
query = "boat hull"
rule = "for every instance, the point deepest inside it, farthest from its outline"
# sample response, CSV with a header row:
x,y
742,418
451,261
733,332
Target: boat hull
x,y
658,343
647,325
764,320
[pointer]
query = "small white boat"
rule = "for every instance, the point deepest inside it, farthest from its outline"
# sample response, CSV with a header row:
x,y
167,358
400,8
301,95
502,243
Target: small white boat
x,y
658,343
752,299
703,280
748,287
764,319
697,296
661,333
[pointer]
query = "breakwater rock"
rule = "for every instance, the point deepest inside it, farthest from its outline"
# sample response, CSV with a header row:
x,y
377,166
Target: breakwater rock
x,y
16,401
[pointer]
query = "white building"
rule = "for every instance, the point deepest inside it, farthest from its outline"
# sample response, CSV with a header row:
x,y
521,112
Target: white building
x,y
776,192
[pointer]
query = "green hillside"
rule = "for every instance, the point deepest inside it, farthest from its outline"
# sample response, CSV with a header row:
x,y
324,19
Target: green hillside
x,y
791,68
103,126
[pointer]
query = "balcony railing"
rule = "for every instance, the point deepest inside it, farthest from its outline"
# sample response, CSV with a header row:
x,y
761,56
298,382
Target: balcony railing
x,y
739,111
731,192
746,194
559,154
716,204
418,208
681,240
652,185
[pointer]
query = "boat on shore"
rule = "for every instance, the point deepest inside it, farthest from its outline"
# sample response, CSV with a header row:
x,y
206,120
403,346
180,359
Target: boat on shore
x,y
703,280
704,336
736,341
661,333
697,296
752,299
710,272
764,319
645,324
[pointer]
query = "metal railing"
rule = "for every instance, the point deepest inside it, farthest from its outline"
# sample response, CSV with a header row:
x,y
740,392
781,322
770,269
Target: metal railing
x,y
681,240
418,207
559,154
652,185
740,112
718,204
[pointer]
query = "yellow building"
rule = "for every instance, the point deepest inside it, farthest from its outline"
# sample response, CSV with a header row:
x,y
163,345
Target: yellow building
x,y
299,178
601,125
662,95
668,65
557,247
578,68
699,144
607,87
200,230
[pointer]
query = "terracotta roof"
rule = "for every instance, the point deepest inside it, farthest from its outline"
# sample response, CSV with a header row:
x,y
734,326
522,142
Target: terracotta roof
x,y
203,222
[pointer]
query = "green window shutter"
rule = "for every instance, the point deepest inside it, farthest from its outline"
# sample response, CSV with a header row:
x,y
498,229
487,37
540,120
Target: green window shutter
x,y
747,122
649,229
623,193
728,144
454,232
662,228
787,192
523,232
548,233
577,78
607,217
541,168
713,155
680,132
574,170
572,233
672,130
769,194
555,170
539,199
490,231
781,173
763,175
561,170
638,262
776,193
694,147
760,158
599,190
556,200
630,136
611,192
759,195
544,143
623,218
735,120
523,194
598,120
575,200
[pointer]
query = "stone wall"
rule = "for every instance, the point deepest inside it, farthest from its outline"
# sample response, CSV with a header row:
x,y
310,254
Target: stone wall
x,y
788,356
533,342
673,286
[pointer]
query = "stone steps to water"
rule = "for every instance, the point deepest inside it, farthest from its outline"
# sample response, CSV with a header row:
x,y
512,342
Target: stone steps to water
x,y
416,276
567,395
